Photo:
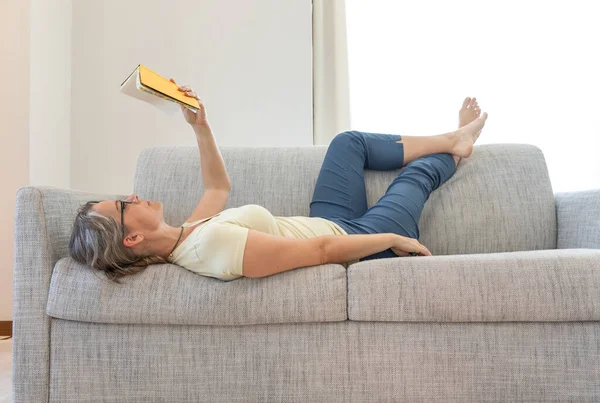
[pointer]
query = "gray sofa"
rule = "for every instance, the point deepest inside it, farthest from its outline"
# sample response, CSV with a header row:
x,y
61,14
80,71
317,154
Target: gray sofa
x,y
507,309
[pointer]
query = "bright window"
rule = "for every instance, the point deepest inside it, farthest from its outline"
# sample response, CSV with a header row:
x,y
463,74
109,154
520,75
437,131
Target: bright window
x,y
534,66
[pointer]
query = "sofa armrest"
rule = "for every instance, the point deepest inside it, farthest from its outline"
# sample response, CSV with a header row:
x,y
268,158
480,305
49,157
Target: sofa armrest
x,y
578,219
43,222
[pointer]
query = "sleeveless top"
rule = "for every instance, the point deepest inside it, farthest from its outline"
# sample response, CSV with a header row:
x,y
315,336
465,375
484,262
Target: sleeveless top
x,y
215,248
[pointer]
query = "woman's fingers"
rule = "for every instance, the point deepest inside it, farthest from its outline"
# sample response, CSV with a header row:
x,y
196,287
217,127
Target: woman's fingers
x,y
410,247
187,90
182,88
421,249
424,251
173,81
179,87
192,94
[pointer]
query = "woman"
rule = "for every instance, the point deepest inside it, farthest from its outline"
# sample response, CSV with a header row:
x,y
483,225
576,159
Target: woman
x,y
122,237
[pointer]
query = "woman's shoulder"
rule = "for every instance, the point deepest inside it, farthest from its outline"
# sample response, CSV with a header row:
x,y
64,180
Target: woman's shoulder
x,y
245,209
251,205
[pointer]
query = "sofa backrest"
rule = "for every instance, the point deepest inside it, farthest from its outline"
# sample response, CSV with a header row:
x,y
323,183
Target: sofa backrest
x,y
499,200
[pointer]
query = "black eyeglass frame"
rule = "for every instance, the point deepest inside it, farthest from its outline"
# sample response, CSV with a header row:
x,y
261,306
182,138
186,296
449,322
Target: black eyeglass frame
x,y
123,203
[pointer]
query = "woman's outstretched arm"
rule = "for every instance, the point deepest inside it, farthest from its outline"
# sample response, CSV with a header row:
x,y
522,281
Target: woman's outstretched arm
x,y
214,173
267,254
217,183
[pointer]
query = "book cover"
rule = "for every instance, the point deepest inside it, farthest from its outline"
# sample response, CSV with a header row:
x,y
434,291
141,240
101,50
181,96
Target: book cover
x,y
148,86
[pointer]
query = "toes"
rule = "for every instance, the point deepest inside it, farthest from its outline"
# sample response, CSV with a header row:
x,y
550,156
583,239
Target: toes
x,y
466,102
475,106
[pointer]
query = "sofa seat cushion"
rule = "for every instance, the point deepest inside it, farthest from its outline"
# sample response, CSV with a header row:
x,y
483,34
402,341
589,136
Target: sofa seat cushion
x,y
170,294
532,286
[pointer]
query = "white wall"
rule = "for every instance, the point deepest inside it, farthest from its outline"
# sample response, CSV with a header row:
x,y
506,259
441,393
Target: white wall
x,y
250,62
14,126
50,93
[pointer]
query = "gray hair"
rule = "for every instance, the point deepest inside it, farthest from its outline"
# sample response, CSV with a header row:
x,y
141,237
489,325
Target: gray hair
x,y
97,241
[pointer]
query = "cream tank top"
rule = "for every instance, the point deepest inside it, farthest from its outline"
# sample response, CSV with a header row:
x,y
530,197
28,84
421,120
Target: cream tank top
x,y
215,248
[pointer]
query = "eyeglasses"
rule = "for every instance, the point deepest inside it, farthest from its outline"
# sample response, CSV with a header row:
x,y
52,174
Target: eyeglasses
x,y
123,203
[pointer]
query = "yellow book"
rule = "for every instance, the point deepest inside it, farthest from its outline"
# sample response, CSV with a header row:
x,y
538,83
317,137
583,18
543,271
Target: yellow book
x,y
148,86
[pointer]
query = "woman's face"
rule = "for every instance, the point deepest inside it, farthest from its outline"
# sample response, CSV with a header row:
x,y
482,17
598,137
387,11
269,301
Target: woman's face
x,y
140,216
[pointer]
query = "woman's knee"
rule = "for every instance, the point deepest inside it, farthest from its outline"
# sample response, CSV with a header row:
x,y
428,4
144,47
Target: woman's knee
x,y
349,136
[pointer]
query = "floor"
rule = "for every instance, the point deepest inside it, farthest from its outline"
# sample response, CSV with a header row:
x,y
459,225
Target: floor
x,y
5,370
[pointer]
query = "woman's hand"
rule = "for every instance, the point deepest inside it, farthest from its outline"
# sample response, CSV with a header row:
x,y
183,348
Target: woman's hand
x,y
195,119
403,246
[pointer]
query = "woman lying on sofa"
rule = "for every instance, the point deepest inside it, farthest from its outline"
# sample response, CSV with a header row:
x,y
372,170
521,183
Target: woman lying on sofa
x,y
122,237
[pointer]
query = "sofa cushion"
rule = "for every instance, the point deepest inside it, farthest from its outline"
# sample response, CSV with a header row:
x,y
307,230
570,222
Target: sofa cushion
x,y
169,294
536,286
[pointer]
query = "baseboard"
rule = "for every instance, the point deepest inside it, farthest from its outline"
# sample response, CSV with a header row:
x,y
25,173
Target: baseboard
x,y
6,328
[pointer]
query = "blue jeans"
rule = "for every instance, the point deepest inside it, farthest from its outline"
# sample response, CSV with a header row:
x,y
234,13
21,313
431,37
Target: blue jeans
x,y
340,194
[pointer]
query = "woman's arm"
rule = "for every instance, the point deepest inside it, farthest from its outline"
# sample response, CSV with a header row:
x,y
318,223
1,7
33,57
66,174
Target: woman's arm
x,y
217,183
267,254
214,173
346,248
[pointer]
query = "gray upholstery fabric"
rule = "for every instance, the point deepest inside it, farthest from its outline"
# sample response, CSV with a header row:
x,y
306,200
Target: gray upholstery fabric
x,y
499,200
578,216
169,294
43,221
348,361
535,286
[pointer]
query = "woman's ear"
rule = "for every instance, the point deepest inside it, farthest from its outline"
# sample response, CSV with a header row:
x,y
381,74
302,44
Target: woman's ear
x,y
132,240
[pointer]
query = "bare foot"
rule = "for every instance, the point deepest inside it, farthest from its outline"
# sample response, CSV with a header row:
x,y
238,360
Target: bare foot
x,y
468,113
465,137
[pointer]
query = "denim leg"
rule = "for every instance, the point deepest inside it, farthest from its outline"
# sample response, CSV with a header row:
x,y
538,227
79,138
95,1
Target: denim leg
x,y
399,210
340,188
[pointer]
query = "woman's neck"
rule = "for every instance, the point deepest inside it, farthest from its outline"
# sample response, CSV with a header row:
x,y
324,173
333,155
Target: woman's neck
x,y
168,240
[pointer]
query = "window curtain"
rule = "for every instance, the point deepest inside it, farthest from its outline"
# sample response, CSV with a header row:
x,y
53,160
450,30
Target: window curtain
x,y
331,104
